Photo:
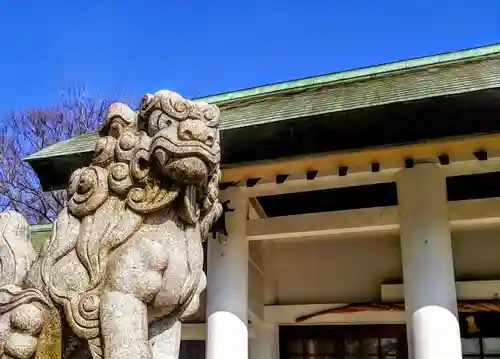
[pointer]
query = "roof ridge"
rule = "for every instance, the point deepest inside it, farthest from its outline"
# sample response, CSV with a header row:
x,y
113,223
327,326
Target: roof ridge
x,y
353,74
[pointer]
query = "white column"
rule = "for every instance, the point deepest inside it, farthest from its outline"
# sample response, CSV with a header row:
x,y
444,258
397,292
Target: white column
x,y
429,280
265,343
227,285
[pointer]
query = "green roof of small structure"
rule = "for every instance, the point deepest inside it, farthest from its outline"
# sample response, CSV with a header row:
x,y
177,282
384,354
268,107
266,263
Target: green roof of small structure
x,y
39,234
293,99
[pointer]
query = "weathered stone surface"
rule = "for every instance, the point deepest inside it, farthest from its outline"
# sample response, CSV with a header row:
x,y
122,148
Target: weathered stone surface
x,y
124,264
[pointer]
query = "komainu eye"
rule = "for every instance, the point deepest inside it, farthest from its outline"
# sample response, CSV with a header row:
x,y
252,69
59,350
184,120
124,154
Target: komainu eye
x,y
164,122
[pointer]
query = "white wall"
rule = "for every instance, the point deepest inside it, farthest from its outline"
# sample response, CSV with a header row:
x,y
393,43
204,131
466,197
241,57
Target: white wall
x,y
332,270
352,269
476,254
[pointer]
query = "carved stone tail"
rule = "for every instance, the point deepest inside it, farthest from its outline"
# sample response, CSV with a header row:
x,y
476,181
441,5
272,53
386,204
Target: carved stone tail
x,y
23,312
16,251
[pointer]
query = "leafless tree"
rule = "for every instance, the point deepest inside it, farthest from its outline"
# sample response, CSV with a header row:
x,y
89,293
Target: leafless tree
x,y
25,132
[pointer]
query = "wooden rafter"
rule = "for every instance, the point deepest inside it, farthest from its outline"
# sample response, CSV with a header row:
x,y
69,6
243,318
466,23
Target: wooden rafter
x,y
389,156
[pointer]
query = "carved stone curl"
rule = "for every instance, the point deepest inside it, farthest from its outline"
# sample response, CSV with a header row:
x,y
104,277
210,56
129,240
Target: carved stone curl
x,y
124,263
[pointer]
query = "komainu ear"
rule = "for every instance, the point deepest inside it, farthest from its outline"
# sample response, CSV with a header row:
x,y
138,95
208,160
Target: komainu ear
x,y
119,118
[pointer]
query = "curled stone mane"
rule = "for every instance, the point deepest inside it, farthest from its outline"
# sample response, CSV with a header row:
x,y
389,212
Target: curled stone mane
x,y
139,168
123,163
124,166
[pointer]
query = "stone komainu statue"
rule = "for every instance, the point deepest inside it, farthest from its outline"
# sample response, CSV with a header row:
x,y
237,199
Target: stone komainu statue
x,y
124,264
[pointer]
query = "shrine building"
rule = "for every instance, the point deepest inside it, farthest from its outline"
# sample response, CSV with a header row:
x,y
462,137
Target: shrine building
x,y
366,218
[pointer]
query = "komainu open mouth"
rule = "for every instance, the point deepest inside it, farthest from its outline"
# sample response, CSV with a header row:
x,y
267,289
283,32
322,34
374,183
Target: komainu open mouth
x,y
187,169
185,149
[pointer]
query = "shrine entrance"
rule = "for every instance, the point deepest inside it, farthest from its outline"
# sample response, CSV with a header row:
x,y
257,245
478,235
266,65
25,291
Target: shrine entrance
x,y
343,342
480,337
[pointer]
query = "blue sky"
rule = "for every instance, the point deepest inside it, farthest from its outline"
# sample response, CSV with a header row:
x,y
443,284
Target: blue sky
x,y
127,48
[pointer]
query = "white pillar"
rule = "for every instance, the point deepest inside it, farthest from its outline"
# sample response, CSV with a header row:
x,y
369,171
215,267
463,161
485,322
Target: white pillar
x,y
429,280
227,285
265,343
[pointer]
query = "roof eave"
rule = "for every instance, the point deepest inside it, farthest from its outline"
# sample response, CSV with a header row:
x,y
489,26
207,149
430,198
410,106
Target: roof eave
x,y
360,74
234,100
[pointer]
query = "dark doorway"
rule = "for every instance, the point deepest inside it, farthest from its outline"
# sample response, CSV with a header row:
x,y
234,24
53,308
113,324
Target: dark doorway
x,y
192,349
343,342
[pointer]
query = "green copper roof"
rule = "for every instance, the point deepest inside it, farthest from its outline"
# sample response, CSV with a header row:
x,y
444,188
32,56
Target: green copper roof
x,y
357,74
409,80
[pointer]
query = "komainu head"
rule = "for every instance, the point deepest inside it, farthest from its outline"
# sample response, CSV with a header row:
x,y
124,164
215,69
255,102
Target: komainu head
x,y
185,138
165,154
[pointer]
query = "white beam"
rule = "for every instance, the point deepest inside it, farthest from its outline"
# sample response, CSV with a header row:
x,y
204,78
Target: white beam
x,y
255,210
462,214
323,180
288,314
364,176
466,290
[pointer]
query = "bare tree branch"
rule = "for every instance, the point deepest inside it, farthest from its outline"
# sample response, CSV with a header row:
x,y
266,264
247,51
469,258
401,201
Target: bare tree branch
x,y
25,132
